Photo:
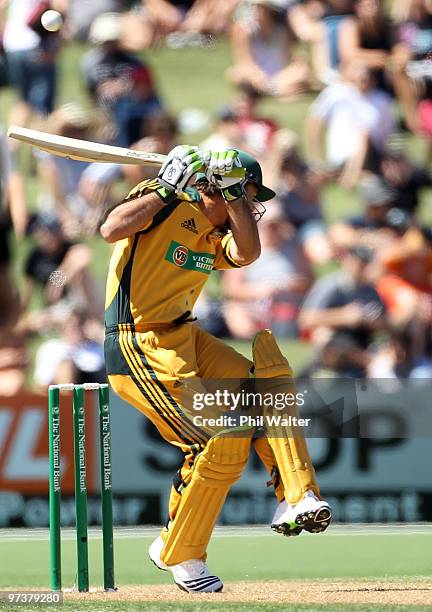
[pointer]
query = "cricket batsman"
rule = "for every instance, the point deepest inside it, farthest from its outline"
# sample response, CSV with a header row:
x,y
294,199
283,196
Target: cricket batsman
x,y
168,237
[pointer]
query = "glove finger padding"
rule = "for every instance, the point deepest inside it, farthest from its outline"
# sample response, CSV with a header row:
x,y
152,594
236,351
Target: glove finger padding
x,y
182,162
180,152
224,169
222,162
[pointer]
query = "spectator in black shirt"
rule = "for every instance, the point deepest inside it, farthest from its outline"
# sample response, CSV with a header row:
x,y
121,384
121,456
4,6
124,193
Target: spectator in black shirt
x,y
344,302
342,313
369,37
405,179
58,267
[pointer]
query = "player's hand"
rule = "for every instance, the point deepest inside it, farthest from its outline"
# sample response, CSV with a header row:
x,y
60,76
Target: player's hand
x,y
181,164
224,169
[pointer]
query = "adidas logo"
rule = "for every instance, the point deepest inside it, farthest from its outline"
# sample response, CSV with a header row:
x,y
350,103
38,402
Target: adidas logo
x,y
190,225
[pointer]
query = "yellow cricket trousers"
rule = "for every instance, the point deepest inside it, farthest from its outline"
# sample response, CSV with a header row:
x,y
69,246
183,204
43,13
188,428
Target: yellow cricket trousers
x,y
158,372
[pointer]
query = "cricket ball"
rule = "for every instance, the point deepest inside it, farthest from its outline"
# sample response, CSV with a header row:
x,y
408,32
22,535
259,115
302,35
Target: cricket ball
x,y
52,20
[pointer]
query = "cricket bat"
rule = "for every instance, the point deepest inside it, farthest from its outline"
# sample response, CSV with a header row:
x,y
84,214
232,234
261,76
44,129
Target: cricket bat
x,y
84,150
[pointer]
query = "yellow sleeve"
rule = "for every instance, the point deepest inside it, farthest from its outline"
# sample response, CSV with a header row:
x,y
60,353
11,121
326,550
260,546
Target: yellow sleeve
x,y
223,259
140,189
146,187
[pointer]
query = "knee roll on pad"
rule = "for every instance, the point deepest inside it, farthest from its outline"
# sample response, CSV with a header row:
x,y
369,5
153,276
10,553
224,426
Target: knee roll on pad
x,y
222,461
267,357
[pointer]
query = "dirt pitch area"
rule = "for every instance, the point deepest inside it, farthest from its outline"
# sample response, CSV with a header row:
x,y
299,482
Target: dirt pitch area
x,y
300,592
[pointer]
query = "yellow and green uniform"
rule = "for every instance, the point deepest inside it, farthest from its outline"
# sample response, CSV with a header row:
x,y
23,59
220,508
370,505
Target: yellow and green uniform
x,y
157,358
156,275
154,280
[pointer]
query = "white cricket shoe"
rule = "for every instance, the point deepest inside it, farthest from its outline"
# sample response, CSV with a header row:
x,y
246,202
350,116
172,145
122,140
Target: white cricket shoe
x,y
310,513
192,576
154,552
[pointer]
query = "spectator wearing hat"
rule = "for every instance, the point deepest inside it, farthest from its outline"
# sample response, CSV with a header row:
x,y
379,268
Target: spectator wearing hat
x,y
59,268
138,29
119,81
371,226
82,13
345,308
263,50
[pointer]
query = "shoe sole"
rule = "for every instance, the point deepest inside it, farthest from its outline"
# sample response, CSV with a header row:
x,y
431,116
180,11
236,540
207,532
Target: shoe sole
x,y
315,522
286,529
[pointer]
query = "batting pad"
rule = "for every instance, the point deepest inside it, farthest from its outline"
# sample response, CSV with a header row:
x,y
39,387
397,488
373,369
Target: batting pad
x,y
217,468
290,451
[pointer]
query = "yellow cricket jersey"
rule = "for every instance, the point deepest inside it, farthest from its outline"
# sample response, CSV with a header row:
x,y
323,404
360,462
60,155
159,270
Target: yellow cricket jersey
x,y
156,275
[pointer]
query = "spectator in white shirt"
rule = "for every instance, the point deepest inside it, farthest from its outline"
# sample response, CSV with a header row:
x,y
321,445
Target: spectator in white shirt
x,y
75,356
358,120
31,54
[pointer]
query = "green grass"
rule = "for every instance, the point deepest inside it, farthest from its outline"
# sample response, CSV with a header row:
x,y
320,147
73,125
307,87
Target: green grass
x,y
236,558
404,557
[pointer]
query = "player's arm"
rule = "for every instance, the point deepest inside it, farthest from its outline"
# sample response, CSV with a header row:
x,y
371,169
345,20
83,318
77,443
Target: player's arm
x,y
224,169
136,213
245,246
131,217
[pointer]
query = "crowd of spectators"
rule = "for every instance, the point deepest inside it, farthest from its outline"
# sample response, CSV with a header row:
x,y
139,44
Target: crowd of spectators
x,y
358,289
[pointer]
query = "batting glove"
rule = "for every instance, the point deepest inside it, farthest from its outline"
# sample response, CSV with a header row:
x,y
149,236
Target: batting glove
x,y
181,164
224,169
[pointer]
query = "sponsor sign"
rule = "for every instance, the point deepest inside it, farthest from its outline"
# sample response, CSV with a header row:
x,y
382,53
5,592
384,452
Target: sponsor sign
x,y
24,444
375,479
185,258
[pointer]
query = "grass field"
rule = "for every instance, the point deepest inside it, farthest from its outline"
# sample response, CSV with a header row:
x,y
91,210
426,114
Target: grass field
x,y
387,567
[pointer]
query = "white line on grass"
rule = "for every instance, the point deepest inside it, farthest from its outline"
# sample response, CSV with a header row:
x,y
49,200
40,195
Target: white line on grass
x,y
68,533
